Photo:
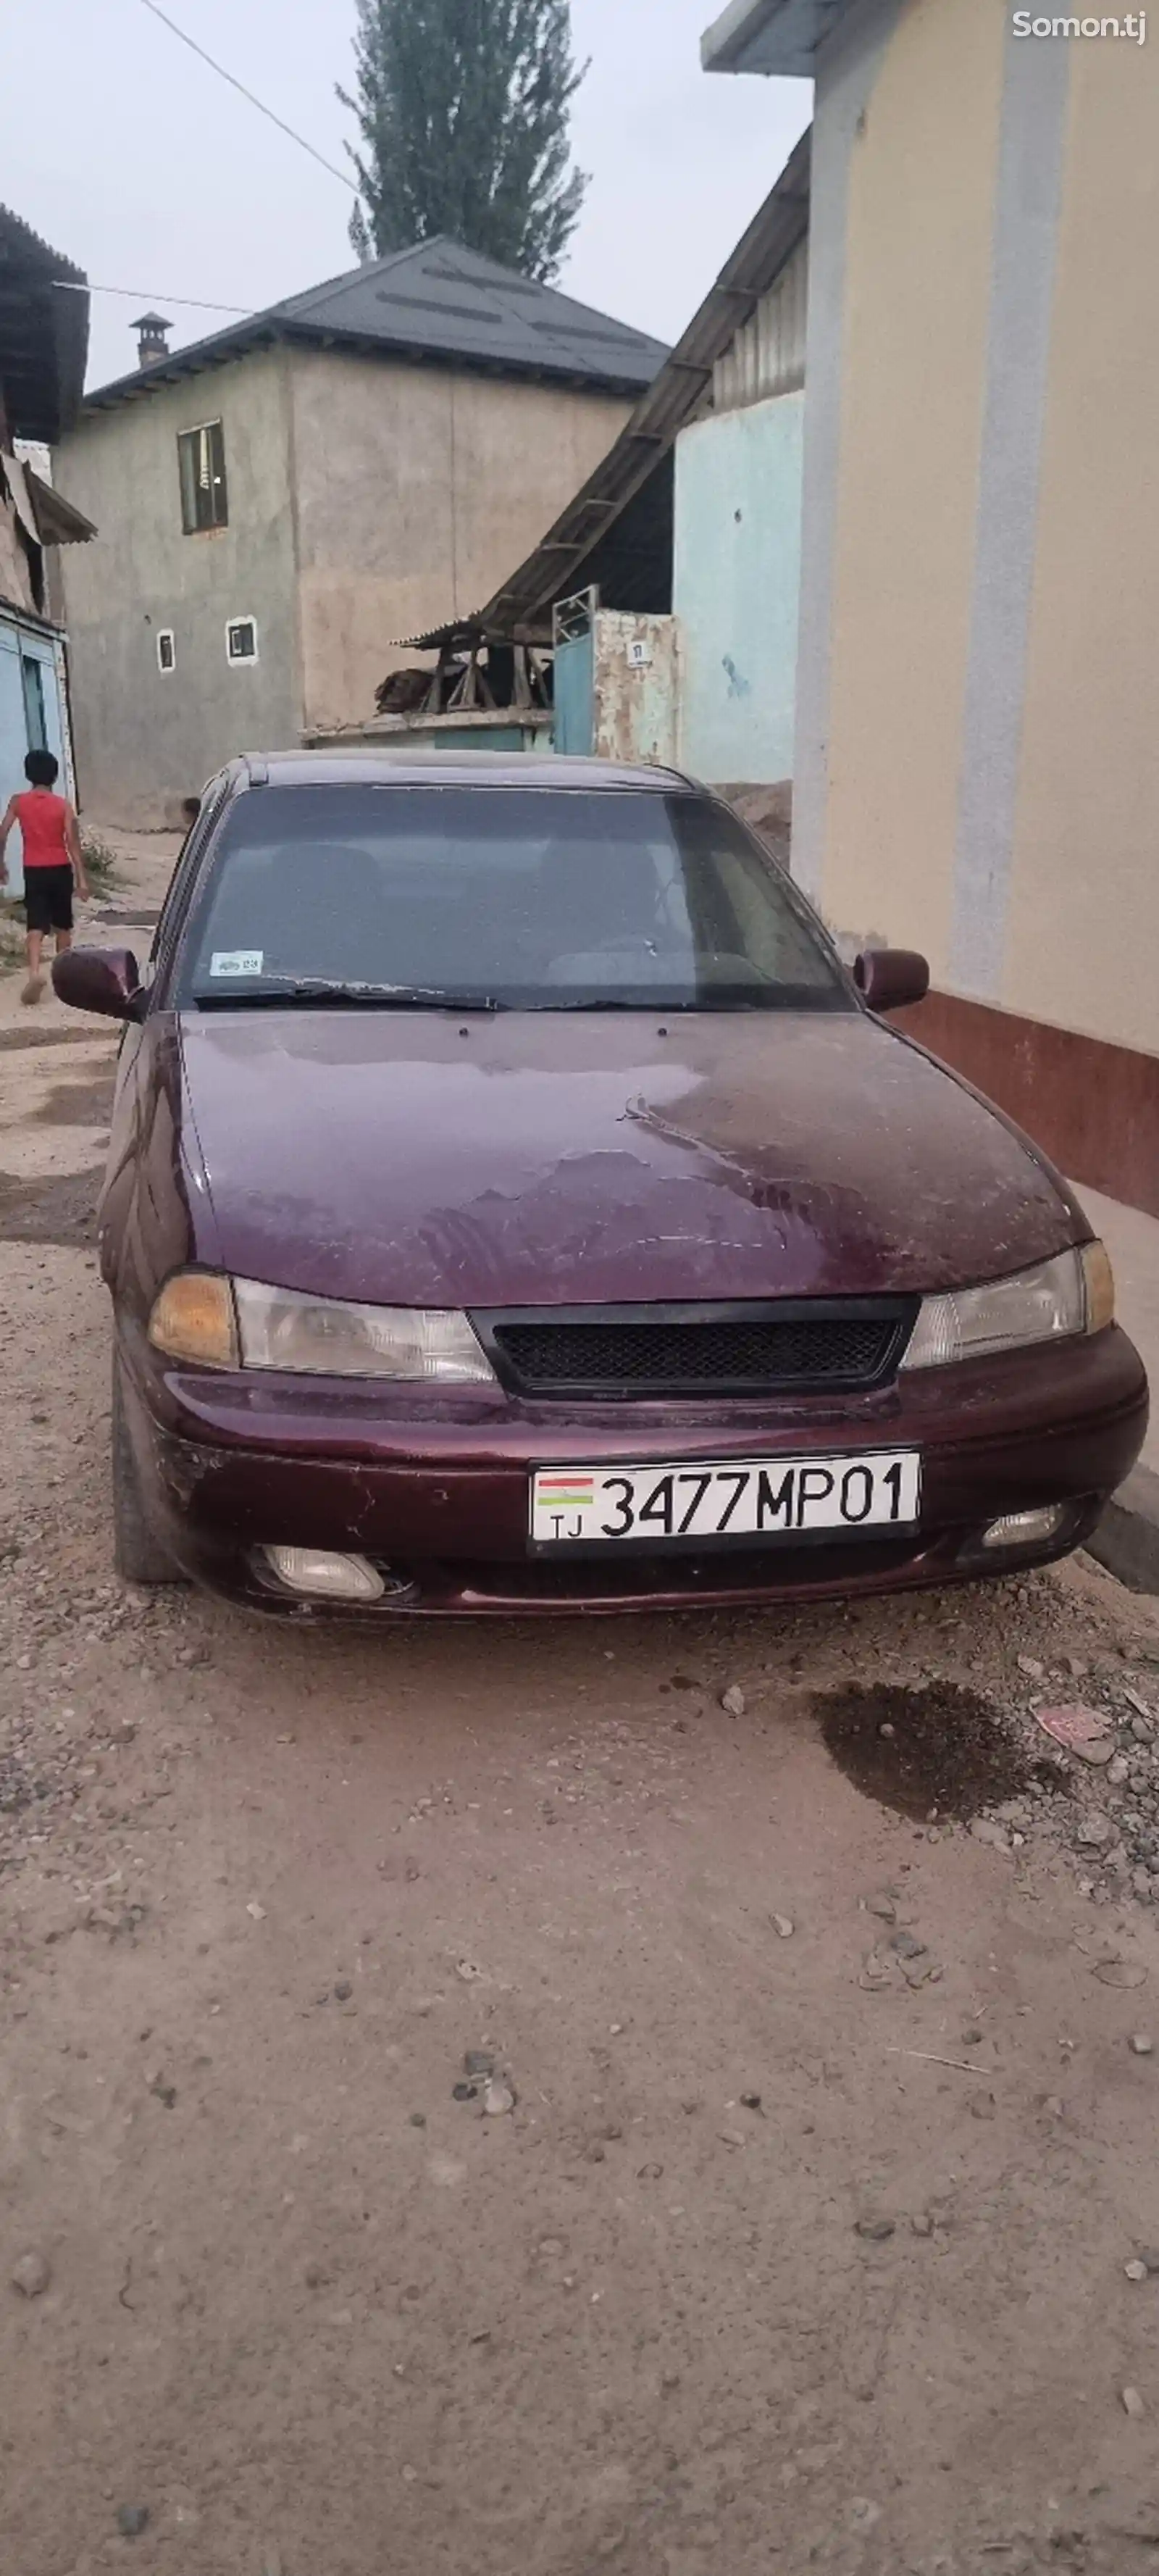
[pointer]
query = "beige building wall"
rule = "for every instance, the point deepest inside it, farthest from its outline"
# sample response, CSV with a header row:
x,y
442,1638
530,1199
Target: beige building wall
x,y
921,183
417,489
1082,938
978,734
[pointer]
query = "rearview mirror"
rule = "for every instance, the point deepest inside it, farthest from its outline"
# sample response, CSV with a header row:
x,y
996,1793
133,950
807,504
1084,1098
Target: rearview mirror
x,y
100,979
888,978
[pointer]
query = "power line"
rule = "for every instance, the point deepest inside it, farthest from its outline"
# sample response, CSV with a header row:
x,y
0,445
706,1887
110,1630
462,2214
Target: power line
x,y
145,295
259,103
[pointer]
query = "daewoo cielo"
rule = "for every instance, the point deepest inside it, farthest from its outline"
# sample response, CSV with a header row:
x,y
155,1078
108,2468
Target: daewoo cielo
x,y
514,1205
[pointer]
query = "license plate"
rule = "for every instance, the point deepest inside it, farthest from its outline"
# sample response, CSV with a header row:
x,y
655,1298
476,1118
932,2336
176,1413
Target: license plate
x,y
761,1498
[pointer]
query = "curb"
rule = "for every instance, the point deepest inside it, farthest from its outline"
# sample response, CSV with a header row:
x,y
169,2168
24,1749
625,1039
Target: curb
x,y
1127,1538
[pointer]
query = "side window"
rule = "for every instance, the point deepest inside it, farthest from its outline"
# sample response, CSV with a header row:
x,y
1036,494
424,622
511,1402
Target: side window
x,y
185,874
201,467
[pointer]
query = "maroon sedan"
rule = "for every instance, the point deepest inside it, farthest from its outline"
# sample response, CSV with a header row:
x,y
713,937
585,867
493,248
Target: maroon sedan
x,y
512,1204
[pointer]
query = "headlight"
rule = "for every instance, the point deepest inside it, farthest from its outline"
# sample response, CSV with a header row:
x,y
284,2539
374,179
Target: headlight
x,y
1074,1293
231,1323
279,1328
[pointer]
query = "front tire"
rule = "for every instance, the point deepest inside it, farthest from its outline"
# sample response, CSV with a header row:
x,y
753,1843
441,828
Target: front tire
x,y
137,1551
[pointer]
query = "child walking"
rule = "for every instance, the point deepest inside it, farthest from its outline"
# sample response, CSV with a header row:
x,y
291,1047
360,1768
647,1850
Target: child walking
x,y
53,863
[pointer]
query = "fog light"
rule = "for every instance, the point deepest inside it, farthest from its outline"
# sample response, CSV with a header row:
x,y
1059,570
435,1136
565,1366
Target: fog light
x,y
328,1577
1025,1529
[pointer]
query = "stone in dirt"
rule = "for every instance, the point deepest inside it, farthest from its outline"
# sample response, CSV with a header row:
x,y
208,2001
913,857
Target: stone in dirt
x,y
1029,1664
31,2275
1142,2044
983,2106
907,1947
1083,1731
986,1829
1136,2269
497,2099
782,1925
876,2229
881,1904
1096,1831
1132,2402
132,2520
732,1700
478,2062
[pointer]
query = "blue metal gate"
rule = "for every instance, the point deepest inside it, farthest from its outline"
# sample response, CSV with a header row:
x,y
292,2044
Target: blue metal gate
x,y
574,656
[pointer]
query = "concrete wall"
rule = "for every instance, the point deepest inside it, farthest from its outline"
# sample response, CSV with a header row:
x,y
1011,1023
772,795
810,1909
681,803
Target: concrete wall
x,y
735,588
366,500
418,488
146,738
977,753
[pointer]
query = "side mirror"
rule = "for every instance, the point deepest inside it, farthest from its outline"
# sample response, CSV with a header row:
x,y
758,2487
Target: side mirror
x,y
100,979
888,978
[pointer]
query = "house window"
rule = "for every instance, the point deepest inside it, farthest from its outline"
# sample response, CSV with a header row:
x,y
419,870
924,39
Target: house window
x,y
241,640
166,652
201,462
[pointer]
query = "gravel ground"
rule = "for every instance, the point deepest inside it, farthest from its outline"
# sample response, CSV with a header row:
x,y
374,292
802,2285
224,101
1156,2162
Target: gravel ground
x,y
477,2100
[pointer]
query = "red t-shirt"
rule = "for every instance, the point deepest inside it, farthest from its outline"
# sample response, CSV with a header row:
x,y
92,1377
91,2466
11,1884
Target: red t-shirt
x,y
41,817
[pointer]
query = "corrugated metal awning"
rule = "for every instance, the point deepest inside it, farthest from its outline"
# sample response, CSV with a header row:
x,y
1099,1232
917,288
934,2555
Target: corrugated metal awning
x,y
559,563
59,522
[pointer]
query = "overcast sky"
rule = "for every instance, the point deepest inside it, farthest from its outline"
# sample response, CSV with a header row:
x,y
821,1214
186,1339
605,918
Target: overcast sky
x,y
137,162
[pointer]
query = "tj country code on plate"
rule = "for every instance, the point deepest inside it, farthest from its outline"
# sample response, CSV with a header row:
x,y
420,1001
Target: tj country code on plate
x,y
737,1498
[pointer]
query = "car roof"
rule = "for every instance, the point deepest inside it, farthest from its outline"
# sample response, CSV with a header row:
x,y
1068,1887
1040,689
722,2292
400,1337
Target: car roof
x,y
411,768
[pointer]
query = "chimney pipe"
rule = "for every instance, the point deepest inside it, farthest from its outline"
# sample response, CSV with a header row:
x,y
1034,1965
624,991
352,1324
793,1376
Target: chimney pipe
x,y
151,329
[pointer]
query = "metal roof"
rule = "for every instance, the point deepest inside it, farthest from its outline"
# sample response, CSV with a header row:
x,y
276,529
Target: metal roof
x,y
770,36
436,301
44,333
570,555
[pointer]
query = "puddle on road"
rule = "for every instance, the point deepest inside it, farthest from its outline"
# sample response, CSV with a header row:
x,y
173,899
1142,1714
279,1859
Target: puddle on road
x,y
940,1746
78,1104
60,1210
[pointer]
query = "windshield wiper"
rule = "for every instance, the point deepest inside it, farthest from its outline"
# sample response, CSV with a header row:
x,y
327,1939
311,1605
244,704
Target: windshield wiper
x,y
656,1008
324,992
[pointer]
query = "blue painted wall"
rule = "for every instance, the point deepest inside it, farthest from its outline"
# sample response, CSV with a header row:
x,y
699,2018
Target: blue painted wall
x,y
21,645
736,579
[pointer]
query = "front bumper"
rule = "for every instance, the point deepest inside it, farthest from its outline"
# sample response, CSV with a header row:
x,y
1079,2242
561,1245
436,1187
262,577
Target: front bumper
x,y
433,1485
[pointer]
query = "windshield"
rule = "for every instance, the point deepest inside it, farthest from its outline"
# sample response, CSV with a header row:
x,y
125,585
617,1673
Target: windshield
x,y
499,898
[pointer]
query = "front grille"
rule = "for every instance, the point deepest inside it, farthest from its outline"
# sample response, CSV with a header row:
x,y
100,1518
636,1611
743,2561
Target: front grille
x,y
736,1350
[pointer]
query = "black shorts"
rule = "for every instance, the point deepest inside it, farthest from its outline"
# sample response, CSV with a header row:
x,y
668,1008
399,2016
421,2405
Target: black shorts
x,y
48,898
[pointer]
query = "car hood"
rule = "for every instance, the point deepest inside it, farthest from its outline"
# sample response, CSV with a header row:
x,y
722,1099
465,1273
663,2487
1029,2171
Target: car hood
x,y
565,1159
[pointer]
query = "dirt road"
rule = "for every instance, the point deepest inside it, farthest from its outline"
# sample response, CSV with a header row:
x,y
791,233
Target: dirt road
x,y
313,2307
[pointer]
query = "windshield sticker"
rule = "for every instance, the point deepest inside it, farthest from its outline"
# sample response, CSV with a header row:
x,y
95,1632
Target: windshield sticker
x,y
237,961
